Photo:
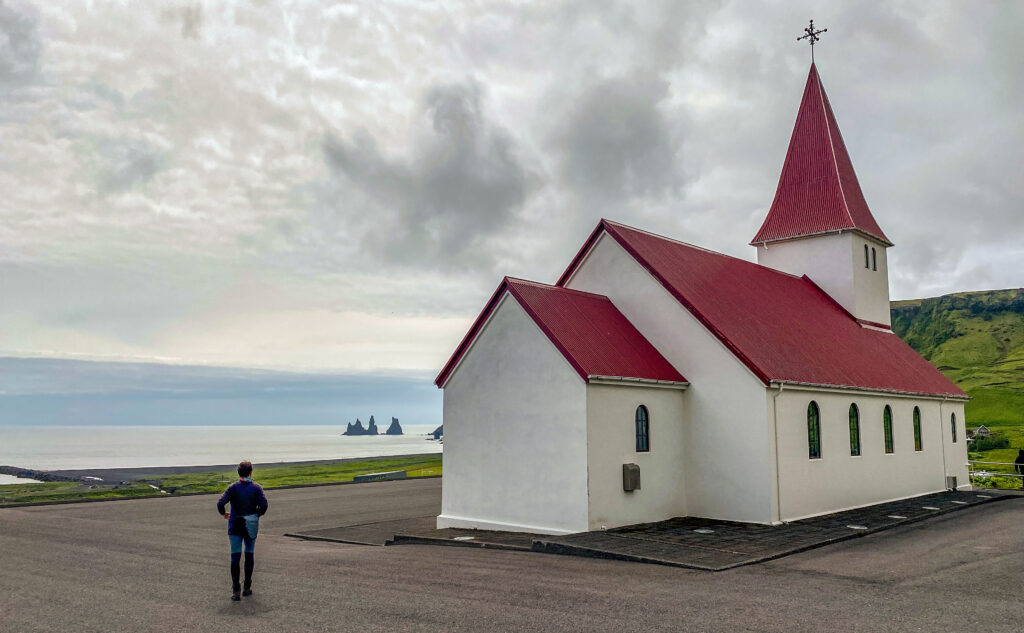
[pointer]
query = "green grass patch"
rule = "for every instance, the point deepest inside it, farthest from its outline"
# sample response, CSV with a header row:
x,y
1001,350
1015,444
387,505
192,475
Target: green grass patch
x,y
216,481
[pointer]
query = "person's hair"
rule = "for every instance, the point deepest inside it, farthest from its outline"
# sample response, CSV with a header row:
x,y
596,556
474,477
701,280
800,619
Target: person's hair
x,y
244,468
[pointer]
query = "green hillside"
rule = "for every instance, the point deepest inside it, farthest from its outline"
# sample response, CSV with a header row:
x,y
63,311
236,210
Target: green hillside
x,y
977,339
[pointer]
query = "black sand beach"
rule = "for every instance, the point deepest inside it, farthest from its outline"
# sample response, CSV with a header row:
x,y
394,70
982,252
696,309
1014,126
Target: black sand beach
x,y
135,474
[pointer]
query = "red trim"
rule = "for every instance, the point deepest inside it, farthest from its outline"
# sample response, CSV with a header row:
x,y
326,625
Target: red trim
x,y
471,334
547,331
874,324
830,298
576,261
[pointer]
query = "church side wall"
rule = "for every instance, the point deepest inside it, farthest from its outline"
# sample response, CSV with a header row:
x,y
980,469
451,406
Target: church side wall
x,y
611,442
838,481
728,459
515,439
956,452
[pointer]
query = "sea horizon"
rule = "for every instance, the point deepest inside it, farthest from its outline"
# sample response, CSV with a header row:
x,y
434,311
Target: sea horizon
x,y
81,447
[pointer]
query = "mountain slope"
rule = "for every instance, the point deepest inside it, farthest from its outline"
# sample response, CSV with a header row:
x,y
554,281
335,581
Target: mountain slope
x,y
977,339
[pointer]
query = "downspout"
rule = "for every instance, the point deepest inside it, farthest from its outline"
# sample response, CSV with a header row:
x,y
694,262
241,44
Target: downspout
x,y
775,423
942,443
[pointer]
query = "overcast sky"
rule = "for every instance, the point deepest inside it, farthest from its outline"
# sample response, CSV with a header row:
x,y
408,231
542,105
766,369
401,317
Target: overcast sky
x,y
338,187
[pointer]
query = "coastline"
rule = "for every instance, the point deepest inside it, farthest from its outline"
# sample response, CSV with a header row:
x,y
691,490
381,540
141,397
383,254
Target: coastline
x,y
108,475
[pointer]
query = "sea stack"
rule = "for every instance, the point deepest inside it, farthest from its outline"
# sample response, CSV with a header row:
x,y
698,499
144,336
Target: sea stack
x,y
355,428
395,428
372,428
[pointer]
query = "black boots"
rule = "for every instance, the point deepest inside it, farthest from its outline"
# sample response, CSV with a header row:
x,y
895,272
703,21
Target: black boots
x,y
250,562
235,572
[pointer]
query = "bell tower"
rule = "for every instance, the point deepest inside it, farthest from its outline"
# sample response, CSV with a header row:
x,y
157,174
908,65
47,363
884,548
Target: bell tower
x,y
819,224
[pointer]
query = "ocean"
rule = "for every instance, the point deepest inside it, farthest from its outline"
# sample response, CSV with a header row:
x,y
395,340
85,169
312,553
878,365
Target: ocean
x,y
85,447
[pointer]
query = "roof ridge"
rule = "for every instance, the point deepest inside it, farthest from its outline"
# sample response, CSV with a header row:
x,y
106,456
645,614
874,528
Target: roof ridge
x,y
700,248
825,108
539,284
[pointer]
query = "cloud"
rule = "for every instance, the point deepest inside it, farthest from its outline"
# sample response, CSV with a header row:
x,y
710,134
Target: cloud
x,y
616,143
462,181
190,17
126,163
341,187
20,47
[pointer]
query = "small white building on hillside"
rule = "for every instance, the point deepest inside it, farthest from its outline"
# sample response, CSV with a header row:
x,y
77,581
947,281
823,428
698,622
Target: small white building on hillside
x,y
762,392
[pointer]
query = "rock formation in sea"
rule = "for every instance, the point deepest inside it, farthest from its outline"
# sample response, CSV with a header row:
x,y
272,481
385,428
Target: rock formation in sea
x,y
372,428
355,428
395,428
438,432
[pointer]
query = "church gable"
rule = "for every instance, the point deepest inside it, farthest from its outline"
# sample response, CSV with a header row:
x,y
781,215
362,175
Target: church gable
x,y
782,327
587,329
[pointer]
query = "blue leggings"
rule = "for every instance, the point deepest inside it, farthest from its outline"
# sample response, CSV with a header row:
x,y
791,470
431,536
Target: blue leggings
x,y
238,542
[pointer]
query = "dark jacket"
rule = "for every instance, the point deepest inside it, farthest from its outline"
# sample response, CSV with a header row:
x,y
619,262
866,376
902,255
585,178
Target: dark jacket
x,y
1018,464
245,497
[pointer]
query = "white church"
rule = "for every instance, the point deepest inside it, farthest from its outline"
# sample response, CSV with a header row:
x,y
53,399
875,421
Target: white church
x,y
657,379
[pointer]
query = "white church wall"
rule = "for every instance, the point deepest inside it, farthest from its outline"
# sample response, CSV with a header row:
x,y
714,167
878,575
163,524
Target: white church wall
x,y
956,452
515,433
611,442
871,287
838,481
728,459
835,262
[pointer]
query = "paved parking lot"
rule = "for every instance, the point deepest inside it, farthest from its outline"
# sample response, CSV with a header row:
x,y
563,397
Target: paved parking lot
x,y
161,565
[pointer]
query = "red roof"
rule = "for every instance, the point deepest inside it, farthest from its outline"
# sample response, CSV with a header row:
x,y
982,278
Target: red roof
x,y
784,328
596,339
818,190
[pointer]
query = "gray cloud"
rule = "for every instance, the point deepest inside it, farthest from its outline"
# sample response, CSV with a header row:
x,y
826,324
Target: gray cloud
x,y
126,163
20,47
616,142
312,186
462,181
188,18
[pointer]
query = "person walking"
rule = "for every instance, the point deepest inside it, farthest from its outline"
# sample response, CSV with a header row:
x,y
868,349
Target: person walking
x,y
1018,465
248,504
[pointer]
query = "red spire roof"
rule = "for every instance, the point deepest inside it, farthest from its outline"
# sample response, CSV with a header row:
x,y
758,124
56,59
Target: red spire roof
x,y
587,328
818,190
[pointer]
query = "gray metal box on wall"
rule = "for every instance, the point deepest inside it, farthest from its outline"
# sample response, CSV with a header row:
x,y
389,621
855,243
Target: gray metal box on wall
x,y
630,477
950,482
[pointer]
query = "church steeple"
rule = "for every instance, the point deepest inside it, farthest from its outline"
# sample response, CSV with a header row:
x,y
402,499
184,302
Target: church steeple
x,y
818,190
819,224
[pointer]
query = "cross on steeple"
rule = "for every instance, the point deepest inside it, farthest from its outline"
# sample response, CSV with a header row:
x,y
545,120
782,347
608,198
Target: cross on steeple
x,y
811,36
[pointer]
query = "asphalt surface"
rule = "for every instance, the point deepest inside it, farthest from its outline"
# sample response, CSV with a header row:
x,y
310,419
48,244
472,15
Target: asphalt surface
x,y
161,565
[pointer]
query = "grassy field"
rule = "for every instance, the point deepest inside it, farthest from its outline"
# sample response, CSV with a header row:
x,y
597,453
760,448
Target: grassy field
x,y
977,339
217,481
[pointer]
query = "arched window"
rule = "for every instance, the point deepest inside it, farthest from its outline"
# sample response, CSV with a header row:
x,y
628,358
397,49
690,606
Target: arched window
x,y
813,431
854,430
952,425
874,259
887,427
917,429
866,263
643,430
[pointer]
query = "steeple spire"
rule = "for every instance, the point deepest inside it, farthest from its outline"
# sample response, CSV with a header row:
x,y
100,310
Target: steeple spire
x,y
818,190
